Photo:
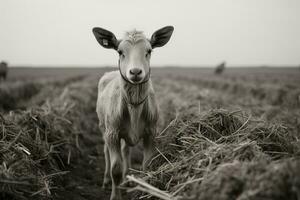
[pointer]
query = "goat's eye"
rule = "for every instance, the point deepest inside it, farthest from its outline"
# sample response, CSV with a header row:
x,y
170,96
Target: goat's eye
x,y
148,53
120,52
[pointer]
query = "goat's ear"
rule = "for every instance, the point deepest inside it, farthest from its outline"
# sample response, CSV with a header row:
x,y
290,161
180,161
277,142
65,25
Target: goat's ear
x,y
161,36
106,38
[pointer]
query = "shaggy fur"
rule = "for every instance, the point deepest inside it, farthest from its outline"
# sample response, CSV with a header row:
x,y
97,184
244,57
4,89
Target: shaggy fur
x,y
116,114
134,36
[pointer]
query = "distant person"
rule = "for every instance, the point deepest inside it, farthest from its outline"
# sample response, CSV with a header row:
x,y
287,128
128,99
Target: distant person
x,y
3,70
220,68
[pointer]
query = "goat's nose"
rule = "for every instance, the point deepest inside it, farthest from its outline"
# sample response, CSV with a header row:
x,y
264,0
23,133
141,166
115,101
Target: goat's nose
x,y
135,71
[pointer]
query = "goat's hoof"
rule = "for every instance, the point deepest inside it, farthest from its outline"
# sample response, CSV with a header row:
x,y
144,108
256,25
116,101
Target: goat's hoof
x,y
127,184
106,184
115,197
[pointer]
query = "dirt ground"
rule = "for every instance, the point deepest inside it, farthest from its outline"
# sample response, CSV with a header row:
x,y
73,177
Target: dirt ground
x,y
86,173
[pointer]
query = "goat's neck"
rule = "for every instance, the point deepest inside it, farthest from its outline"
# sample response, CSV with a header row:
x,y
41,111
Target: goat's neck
x,y
134,94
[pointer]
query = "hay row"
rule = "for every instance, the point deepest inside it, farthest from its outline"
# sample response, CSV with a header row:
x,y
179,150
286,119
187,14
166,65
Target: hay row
x,y
13,94
273,94
194,149
37,144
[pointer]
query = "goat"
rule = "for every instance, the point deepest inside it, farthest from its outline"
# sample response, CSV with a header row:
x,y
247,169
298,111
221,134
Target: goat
x,y
220,68
126,105
3,70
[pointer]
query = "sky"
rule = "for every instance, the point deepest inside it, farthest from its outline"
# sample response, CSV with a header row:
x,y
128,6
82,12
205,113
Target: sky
x,y
207,32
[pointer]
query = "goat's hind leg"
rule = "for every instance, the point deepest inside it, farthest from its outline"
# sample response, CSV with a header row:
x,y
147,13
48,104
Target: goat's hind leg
x,y
107,178
149,148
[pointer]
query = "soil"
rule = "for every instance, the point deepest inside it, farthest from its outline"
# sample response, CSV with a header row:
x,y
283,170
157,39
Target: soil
x,y
84,181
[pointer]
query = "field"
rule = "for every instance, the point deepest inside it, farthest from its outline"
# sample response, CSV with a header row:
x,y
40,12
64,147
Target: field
x,y
229,136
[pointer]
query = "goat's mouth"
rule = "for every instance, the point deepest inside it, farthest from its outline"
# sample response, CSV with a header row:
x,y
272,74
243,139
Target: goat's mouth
x,y
135,79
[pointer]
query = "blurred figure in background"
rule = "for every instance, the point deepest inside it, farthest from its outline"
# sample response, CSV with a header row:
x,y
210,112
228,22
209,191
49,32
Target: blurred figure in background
x,y
3,70
220,68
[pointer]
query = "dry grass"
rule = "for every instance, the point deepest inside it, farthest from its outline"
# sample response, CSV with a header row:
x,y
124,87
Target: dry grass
x,y
195,148
14,95
31,142
37,143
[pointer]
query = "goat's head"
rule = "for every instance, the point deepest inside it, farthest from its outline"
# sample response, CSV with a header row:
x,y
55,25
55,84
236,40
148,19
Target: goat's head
x,y
134,50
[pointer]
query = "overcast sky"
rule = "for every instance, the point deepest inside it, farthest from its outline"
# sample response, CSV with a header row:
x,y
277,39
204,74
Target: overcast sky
x,y
207,32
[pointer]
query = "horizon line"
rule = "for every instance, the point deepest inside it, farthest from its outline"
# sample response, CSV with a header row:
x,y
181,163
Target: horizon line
x,y
154,66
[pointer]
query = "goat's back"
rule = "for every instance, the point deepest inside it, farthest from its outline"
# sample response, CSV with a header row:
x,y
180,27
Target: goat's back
x,y
108,93
106,79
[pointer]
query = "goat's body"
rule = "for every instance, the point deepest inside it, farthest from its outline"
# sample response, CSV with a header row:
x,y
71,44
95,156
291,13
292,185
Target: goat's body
x,y
220,68
3,71
129,122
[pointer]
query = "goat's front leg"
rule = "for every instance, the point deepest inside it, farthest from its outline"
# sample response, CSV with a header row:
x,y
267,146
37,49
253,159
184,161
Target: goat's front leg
x,y
114,147
149,147
126,155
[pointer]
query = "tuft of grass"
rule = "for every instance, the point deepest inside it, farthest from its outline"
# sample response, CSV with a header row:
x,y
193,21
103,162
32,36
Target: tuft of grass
x,y
30,144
